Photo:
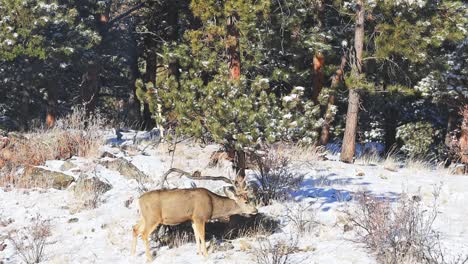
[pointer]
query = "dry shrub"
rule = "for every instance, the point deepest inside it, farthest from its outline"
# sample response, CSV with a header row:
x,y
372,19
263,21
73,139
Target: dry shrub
x,y
75,134
275,177
400,233
267,251
30,242
302,216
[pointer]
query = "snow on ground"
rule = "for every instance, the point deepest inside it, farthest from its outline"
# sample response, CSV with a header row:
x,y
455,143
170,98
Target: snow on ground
x,y
103,235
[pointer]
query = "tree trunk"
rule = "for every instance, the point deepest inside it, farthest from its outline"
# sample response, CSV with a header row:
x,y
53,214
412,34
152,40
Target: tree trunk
x,y
464,138
390,125
233,47
89,88
318,63
51,115
325,135
173,34
150,76
234,65
451,123
24,111
134,112
349,141
240,165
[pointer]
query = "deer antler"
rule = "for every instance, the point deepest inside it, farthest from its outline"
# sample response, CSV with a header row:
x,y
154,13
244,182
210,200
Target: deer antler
x,y
195,176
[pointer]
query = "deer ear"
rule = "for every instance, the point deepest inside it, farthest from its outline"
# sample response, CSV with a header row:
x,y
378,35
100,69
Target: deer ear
x,y
230,192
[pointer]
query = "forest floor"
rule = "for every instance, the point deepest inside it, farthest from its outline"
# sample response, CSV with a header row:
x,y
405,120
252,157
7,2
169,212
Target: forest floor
x,y
102,233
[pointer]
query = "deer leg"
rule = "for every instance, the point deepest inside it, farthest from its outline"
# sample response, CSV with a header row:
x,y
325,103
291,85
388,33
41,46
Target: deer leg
x,y
137,229
197,240
200,225
145,236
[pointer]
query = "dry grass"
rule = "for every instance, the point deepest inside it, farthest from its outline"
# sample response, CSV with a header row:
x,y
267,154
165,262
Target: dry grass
x,y
75,134
305,154
419,164
30,241
401,232
369,158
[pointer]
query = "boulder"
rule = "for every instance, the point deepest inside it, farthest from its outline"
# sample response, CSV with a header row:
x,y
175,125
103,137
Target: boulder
x,y
67,165
85,183
124,167
41,177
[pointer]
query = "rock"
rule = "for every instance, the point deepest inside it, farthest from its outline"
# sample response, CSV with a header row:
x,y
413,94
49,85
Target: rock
x,y
322,157
383,177
67,165
128,202
93,183
360,173
347,228
73,220
107,154
124,167
224,246
40,177
2,247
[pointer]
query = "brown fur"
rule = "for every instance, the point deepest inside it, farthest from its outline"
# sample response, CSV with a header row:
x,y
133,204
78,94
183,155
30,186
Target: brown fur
x,y
172,207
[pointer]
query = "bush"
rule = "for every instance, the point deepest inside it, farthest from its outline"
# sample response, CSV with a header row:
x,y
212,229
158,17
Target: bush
x,y
275,178
30,241
267,251
302,216
402,233
416,138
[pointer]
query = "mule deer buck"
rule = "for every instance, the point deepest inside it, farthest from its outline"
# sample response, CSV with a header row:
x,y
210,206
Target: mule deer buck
x,y
198,205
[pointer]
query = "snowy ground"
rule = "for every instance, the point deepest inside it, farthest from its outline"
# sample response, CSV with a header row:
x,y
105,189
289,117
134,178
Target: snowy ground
x,y
103,235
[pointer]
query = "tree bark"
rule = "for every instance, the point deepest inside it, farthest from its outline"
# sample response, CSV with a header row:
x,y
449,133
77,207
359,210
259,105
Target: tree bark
x,y
233,47
241,164
318,63
51,115
336,79
349,141
134,112
150,76
234,65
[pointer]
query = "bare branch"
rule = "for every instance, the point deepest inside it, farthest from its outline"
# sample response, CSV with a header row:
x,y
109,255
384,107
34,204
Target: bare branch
x,y
195,176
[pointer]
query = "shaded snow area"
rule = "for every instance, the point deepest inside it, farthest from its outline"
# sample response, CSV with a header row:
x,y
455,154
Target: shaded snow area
x,y
103,234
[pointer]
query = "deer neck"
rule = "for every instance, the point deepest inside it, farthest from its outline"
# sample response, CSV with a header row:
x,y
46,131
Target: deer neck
x,y
224,207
